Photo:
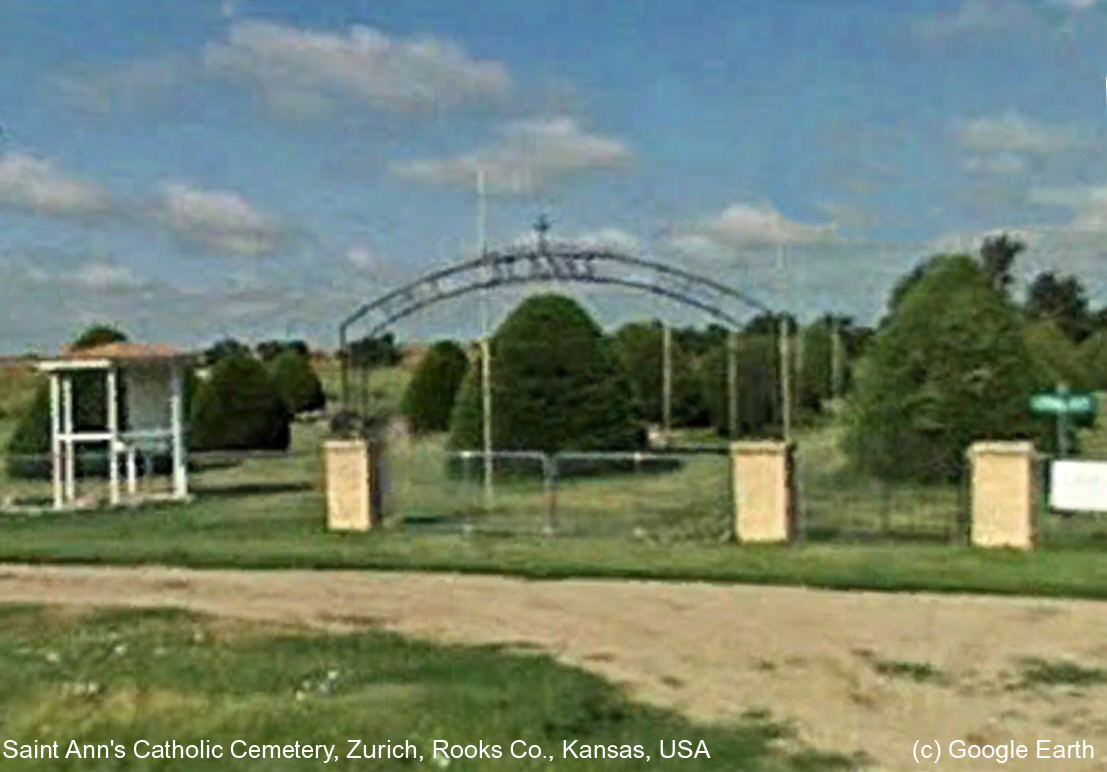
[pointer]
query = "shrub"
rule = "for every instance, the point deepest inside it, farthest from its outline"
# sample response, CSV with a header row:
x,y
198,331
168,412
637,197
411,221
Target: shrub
x,y
1093,353
240,408
429,399
555,385
98,335
375,352
1056,358
297,382
223,349
948,367
268,350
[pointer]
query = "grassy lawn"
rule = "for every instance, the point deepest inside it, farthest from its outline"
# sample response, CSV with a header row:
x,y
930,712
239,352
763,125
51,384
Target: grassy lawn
x,y
285,530
165,676
268,513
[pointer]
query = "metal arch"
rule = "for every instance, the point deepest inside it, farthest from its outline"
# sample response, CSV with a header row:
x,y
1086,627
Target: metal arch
x,y
492,260
513,281
549,262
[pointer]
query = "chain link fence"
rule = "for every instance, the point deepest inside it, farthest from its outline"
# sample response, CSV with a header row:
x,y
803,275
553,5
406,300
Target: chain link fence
x,y
838,503
667,496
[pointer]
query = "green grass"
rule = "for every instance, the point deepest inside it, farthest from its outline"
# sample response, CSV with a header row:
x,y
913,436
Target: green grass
x,y
285,530
1040,672
920,672
160,676
268,513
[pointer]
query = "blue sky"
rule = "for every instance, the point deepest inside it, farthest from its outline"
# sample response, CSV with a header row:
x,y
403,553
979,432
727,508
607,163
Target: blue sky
x,y
259,167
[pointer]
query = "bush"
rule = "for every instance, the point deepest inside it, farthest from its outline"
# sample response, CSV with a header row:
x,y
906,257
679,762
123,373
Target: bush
x,y
429,399
268,350
1093,353
758,392
224,348
555,385
1056,358
948,367
639,348
375,352
240,408
98,335
297,382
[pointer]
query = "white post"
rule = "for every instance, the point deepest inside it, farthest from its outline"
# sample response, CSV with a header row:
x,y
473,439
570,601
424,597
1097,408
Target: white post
x,y
180,472
837,371
785,380
666,381
132,471
732,384
55,439
485,347
486,395
797,361
113,430
67,426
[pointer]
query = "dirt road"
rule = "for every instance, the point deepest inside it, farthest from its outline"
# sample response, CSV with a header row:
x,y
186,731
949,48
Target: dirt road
x,y
863,671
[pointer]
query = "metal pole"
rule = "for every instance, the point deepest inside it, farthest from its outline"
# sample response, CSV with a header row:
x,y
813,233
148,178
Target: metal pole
x,y
732,384
550,470
785,381
55,438
1062,428
666,380
70,445
797,360
785,374
486,412
113,430
836,364
485,353
176,413
344,360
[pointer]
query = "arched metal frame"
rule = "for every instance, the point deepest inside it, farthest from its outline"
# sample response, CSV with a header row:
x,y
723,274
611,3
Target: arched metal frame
x,y
544,263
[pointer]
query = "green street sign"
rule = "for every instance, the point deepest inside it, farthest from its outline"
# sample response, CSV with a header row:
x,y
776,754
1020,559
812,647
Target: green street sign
x,y
1064,403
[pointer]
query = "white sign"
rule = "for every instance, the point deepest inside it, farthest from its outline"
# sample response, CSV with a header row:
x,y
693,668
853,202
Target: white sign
x,y
1079,486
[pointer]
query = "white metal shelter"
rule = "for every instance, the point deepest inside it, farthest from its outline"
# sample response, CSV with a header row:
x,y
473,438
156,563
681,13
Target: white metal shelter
x,y
153,377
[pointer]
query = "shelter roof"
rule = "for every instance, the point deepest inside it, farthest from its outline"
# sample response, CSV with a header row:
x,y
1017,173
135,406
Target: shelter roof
x,y
109,354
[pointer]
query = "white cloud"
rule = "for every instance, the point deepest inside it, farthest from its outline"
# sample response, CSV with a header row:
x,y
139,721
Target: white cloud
x,y
528,155
1010,132
105,276
974,17
1075,5
36,185
293,69
142,81
1087,202
609,238
746,224
362,258
1002,164
219,221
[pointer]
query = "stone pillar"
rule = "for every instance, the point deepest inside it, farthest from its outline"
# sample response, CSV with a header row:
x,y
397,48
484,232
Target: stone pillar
x,y
764,493
1004,494
347,470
